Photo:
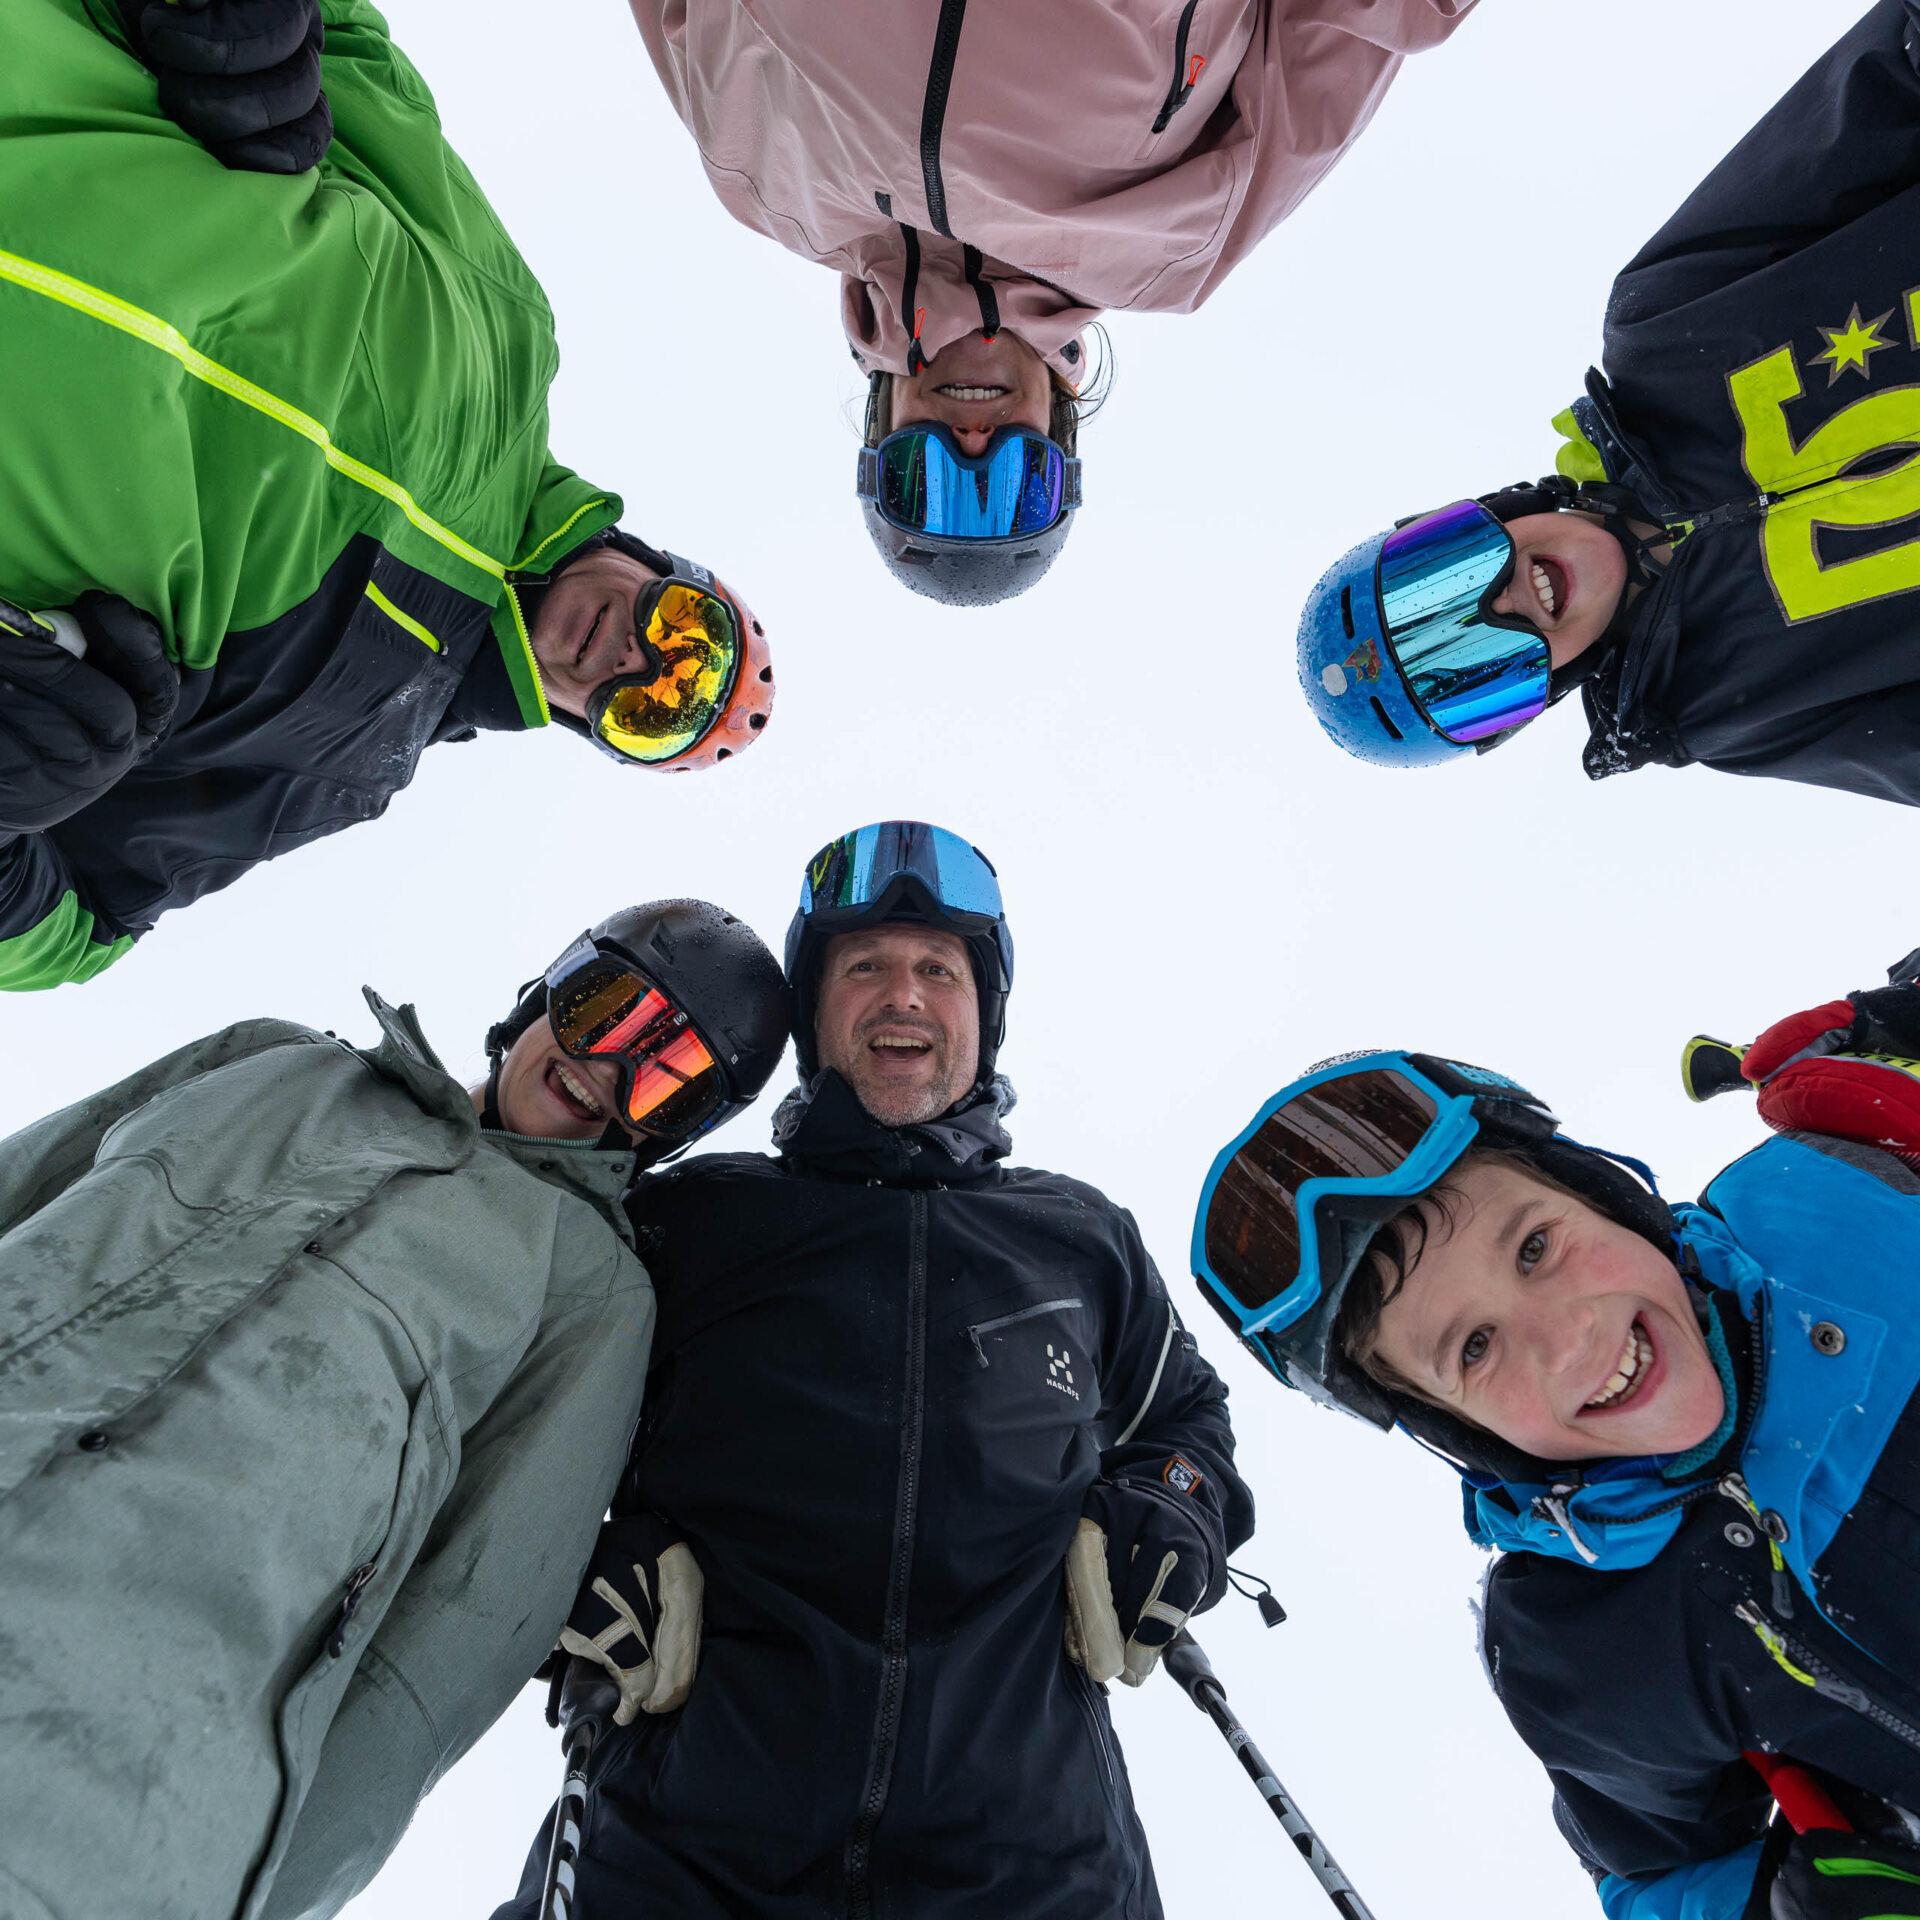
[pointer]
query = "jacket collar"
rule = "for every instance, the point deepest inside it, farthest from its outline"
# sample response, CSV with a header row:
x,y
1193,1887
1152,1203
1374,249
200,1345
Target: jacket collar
x,y
578,1166
822,1128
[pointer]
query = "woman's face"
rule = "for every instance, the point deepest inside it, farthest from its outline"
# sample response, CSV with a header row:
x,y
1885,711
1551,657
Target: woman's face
x,y
544,1091
1536,1317
975,386
1567,580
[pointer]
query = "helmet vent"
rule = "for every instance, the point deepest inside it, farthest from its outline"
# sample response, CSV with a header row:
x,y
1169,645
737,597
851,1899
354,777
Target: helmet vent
x,y
756,721
1346,613
1393,731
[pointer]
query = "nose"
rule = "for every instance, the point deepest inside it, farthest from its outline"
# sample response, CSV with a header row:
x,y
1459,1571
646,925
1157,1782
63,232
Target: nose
x,y
1559,1334
972,440
903,993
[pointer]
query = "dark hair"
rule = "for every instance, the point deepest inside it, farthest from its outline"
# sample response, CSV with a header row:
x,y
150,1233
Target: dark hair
x,y
1394,1252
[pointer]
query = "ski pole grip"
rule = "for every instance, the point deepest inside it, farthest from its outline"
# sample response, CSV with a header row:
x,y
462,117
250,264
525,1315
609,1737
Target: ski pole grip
x,y
1806,1803
588,1701
1188,1665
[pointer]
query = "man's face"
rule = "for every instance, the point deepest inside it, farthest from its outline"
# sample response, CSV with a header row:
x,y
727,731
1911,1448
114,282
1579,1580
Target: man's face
x,y
1568,576
1540,1319
897,1017
583,635
546,1092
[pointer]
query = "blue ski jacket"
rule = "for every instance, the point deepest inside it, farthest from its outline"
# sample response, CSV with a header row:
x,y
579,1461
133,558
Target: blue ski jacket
x,y
1649,1620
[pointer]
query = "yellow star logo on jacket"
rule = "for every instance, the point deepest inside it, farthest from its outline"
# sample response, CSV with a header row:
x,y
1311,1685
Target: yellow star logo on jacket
x,y
1850,347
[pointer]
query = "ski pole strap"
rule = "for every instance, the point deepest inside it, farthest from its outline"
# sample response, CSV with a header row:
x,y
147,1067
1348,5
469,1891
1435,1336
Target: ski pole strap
x,y
1188,1665
1806,1803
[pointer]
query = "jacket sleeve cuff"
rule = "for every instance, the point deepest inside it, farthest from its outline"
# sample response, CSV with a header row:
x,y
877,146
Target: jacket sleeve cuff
x,y
1707,1890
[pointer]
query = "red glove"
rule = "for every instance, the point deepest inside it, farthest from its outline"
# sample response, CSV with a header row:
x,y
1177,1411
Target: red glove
x,y
1841,1069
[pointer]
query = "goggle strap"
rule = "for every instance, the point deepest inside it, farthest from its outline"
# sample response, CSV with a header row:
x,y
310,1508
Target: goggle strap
x,y
866,479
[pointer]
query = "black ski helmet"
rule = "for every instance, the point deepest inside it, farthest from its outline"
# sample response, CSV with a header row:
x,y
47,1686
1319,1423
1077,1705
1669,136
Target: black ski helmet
x,y
961,573
905,855
714,968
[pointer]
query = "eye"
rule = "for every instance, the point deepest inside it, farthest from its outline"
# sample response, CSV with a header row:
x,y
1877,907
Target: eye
x,y
1473,1349
1532,1250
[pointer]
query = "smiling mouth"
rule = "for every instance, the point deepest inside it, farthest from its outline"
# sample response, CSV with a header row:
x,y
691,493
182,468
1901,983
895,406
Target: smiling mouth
x,y
970,390
573,1093
587,639
900,1045
1629,1372
1550,584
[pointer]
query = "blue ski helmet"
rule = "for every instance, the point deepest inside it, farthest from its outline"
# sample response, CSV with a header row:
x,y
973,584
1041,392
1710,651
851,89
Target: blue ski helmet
x,y
1351,678
902,870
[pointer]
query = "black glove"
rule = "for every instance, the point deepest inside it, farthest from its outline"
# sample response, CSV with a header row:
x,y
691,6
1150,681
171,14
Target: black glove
x,y
638,1614
242,76
1142,1561
1846,1876
70,728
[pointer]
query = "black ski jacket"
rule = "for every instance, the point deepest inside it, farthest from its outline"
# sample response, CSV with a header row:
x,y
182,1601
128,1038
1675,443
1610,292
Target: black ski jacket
x,y
1641,1679
887,1370
1762,393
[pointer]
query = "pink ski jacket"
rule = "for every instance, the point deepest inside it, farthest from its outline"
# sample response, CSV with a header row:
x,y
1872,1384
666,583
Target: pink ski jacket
x,y
1024,163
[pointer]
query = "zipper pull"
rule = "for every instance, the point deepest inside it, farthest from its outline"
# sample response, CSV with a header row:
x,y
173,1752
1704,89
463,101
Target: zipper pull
x,y
356,1585
1553,1505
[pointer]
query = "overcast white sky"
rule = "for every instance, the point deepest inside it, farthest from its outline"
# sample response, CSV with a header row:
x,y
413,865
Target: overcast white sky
x,y
1205,894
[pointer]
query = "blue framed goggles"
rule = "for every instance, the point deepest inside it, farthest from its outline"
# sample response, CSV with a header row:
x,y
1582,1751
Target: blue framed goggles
x,y
922,482
1292,1201
864,871
1473,673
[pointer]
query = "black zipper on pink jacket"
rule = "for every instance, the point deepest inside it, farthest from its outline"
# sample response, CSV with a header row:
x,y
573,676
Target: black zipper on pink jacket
x,y
1182,80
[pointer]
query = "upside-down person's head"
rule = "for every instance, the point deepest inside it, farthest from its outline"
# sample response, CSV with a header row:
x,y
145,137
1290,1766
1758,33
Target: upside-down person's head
x,y
1412,1240
648,1031
969,475
1453,629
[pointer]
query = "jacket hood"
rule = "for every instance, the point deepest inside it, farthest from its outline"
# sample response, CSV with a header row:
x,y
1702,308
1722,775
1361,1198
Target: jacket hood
x,y
914,287
1618,1514
822,1127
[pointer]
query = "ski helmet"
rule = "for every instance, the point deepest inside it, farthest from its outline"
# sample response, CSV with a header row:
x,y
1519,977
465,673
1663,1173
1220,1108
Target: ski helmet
x,y
743,699
967,530
902,870
713,968
1403,658
1292,1203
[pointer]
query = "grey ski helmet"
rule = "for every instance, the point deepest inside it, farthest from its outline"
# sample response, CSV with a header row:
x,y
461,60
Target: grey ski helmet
x,y
715,969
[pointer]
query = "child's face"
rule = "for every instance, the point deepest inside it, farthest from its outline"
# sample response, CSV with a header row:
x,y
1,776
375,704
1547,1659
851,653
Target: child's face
x,y
1541,1320
1567,579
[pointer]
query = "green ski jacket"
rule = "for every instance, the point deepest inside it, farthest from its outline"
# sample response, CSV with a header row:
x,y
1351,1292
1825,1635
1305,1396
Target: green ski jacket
x,y
312,1397
301,421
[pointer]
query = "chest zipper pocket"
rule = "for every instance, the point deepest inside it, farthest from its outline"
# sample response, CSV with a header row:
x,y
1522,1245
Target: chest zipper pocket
x,y
1185,71
1012,1319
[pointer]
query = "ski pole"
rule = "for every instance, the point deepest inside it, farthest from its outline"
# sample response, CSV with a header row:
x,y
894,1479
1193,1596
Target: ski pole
x,y
1188,1665
587,1702
1806,1803
58,629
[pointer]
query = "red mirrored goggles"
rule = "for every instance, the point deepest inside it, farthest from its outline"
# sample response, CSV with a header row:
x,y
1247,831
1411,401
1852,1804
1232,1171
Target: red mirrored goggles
x,y
603,1008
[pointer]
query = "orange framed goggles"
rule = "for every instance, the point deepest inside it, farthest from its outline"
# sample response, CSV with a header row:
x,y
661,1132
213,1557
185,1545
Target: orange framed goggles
x,y
604,1008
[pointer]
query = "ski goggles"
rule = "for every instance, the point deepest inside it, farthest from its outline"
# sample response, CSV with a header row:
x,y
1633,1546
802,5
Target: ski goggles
x,y
1021,483
604,1008
1472,672
691,637
1291,1203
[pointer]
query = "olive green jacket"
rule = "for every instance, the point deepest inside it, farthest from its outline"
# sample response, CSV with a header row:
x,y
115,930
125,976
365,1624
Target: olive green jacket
x,y
281,1327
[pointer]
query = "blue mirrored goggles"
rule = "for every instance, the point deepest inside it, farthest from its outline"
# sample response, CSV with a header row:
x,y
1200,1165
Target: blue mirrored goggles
x,y
850,876
922,482
1474,674
1291,1203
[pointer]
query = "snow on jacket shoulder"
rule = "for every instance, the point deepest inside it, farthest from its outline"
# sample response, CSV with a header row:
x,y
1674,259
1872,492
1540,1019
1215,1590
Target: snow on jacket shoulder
x,y
311,1399
888,1370
1760,394
197,403
1640,1636
1019,165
